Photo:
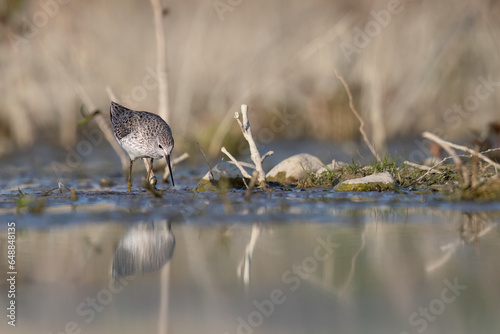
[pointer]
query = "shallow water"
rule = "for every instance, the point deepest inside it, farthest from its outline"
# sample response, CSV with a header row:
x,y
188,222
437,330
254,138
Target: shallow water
x,y
373,270
287,261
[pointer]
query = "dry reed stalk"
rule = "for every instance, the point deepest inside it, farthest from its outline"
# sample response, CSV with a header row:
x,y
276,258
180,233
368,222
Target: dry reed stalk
x,y
465,149
206,159
430,68
161,60
431,169
447,146
161,67
244,173
422,167
91,107
111,94
180,159
358,116
103,124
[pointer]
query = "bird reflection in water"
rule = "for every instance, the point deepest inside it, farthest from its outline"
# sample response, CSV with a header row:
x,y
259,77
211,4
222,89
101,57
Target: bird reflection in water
x,y
145,248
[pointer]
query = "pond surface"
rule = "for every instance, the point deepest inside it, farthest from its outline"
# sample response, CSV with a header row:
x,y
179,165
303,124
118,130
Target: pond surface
x,y
287,261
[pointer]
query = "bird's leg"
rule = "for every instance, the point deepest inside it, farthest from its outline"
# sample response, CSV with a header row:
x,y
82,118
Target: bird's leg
x,y
130,175
149,167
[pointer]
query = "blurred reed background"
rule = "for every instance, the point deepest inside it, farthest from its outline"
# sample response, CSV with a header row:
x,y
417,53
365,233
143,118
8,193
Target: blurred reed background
x,y
277,56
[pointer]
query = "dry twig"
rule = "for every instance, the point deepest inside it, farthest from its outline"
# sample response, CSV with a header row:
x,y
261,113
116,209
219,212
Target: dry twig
x,y
208,163
161,67
429,135
464,173
180,159
254,152
268,154
431,169
422,167
358,116
161,60
236,163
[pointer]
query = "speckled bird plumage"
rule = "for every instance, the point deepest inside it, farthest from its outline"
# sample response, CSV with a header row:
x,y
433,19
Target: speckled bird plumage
x,y
142,135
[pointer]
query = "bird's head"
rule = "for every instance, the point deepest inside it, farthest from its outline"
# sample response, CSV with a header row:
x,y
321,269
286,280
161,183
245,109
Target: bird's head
x,y
165,143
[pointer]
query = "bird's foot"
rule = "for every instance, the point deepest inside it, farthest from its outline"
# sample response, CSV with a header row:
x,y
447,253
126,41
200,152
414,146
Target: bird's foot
x,y
151,187
153,181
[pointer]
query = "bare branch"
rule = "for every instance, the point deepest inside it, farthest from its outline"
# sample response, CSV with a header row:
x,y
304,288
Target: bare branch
x,y
464,148
422,167
180,159
448,148
208,163
161,66
237,118
236,163
161,60
101,122
358,116
268,154
431,169
254,152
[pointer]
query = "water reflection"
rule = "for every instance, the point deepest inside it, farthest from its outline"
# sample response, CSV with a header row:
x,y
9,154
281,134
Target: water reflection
x,y
245,265
472,227
377,271
145,248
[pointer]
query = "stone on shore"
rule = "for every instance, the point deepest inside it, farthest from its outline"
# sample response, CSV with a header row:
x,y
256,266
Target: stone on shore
x,y
294,169
375,182
226,174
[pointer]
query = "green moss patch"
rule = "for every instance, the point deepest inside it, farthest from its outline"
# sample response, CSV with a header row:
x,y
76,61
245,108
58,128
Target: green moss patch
x,y
372,186
281,178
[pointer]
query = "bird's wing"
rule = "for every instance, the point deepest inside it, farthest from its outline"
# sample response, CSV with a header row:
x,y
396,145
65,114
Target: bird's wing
x,y
122,126
121,118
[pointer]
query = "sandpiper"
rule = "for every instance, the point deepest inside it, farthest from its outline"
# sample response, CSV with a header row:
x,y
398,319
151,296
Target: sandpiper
x,y
142,135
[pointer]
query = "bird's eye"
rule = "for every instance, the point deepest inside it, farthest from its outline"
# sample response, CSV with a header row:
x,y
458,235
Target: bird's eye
x,y
160,146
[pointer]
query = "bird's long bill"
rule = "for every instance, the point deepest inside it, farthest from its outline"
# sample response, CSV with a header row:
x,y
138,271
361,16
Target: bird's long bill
x,y
170,170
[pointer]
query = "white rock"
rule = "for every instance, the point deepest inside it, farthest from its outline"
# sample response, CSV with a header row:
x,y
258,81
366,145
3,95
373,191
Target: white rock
x,y
375,182
294,168
229,170
384,177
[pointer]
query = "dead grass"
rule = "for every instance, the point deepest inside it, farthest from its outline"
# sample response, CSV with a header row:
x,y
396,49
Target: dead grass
x,y
405,176
283,54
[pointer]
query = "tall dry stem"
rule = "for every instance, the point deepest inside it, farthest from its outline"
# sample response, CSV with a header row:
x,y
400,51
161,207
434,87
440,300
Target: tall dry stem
x,y
358,116
161,61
